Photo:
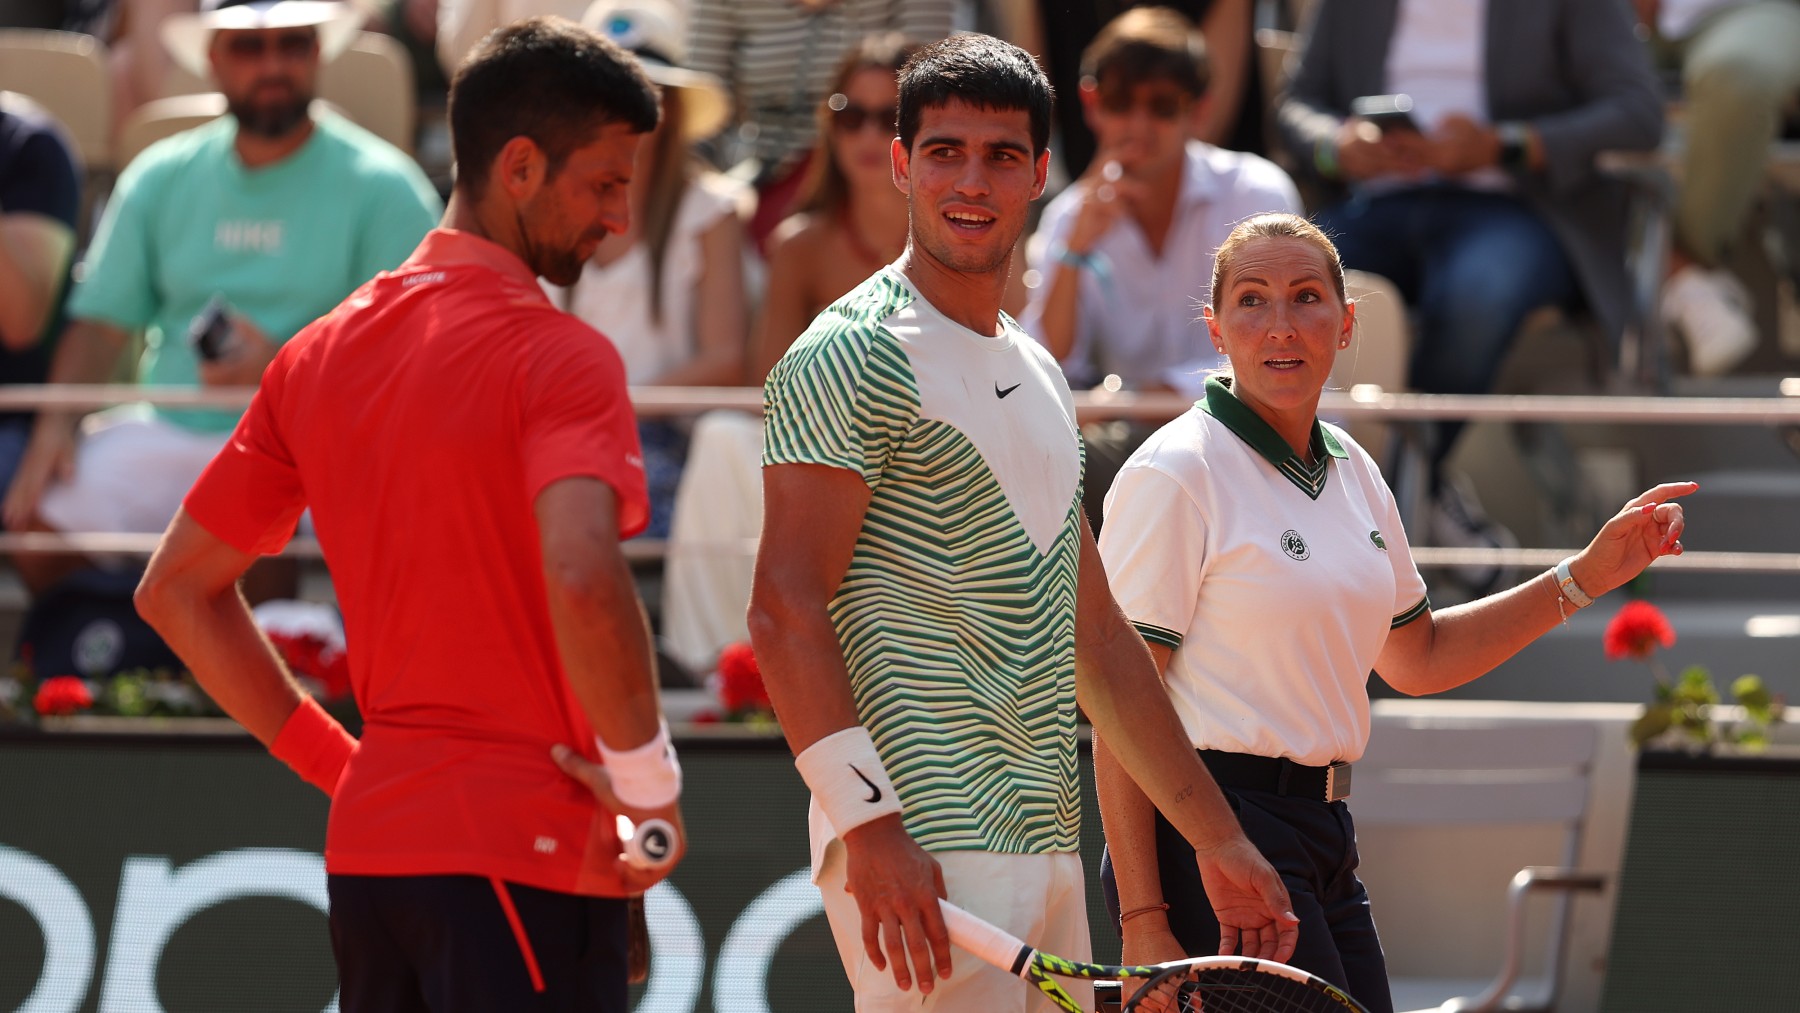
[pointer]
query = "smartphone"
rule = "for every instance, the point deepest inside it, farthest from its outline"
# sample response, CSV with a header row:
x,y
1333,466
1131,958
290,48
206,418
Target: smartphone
x,y
1389,112
210,332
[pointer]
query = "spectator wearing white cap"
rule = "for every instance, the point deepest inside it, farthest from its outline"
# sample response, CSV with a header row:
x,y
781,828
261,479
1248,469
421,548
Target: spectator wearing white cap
x,y
669,291
259,221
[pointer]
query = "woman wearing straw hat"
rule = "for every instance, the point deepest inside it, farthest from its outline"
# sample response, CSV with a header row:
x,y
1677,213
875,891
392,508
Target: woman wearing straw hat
x,y
669,291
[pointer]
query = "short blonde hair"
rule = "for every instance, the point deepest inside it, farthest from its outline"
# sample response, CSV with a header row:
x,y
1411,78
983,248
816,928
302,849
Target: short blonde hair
x,y
1275,226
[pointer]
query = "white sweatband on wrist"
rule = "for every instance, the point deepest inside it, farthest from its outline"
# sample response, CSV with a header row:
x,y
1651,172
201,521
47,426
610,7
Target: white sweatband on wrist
x,y
646,777
847,778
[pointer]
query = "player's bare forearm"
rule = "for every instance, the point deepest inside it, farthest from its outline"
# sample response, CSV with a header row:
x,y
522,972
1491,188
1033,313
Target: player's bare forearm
x,y
190,596
812,516
1130,823
601,631
1121,693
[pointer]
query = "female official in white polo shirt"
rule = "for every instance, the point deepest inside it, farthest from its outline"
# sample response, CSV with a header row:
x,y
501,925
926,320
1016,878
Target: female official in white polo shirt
x,y
1260,554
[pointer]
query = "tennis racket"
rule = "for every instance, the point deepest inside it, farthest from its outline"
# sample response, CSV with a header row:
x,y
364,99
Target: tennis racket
x,y
1200,985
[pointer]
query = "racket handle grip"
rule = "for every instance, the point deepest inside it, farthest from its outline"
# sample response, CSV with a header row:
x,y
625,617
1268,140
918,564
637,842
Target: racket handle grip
x,y
992,944
649,845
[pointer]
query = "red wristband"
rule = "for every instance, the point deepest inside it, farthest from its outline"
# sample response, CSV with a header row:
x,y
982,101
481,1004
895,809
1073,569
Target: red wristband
x,y
314,744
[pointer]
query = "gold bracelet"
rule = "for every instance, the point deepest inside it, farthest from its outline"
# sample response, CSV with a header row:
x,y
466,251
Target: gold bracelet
x,y
1556,592
1134,912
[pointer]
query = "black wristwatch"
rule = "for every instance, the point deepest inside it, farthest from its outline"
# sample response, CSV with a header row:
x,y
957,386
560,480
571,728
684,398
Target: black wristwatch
x,y
1515,145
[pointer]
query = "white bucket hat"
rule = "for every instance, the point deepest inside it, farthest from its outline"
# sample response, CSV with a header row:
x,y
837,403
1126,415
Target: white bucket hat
x,y
188,36
652,30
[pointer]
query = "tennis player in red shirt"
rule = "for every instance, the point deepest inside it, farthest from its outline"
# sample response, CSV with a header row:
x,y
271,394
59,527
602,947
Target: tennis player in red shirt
x,y
471,462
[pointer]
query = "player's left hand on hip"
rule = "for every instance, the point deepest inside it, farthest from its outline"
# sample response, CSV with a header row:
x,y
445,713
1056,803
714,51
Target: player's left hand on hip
x,y
661,827
1256,918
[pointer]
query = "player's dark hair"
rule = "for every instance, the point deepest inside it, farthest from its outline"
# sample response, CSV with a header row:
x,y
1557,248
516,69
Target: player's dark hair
x,y
1147,44
980,70
547,79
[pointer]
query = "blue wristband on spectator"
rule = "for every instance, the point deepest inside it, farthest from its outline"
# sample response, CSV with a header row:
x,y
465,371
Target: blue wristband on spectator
x,y
1094,264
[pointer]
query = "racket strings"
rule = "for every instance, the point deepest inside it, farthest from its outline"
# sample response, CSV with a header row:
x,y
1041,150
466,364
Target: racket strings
x,y
1230,990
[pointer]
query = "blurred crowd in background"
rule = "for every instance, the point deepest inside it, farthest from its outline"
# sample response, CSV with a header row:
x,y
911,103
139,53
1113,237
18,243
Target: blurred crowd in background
x,y
183,188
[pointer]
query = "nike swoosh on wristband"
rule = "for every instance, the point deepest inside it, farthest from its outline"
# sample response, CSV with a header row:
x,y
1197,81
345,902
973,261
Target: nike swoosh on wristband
x,y
1002,393
874,792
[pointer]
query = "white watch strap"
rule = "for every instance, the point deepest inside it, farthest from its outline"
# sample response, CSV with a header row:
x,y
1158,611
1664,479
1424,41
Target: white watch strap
x,y
1565,581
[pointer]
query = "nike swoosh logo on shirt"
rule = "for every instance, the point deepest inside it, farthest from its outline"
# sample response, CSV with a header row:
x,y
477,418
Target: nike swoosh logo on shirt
x,y
1002,393
874,792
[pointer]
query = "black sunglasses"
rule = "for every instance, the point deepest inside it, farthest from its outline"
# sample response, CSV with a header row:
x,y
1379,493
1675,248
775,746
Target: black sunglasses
x,y
1161,105
851,118
248,45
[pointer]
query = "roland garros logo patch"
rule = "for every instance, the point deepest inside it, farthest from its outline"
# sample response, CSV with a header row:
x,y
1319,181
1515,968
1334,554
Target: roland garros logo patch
x,y
1294,545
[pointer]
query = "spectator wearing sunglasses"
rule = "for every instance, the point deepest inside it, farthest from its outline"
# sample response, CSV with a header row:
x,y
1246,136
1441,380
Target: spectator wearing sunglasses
x,y
258,222
1123,257
851,221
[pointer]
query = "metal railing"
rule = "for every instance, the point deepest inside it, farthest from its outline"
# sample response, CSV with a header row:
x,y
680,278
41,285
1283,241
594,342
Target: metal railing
x,y
1359,402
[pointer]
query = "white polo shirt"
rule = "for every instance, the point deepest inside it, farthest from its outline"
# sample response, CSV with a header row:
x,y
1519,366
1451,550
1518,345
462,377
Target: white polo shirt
x,y
1275,583
1139,314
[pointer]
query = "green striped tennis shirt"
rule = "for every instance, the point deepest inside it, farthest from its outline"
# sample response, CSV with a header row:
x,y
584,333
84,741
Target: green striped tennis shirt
x,y
957,613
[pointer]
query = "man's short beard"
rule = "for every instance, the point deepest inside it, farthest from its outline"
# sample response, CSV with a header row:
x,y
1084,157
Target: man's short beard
x,y
270,121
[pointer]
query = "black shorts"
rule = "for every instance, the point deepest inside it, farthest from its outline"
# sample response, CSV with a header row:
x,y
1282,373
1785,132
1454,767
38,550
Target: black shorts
x,y
461,944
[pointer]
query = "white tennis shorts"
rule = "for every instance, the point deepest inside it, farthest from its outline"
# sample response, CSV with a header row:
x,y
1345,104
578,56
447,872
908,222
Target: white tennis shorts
x,y
132,470
1042,899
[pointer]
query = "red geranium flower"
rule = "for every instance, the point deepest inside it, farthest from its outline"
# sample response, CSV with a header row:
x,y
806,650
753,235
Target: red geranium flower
x,y
740,680
64,694
1637,631
313,657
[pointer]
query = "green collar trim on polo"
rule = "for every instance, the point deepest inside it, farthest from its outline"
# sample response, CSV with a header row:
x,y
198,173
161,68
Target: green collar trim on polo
x,y
1242,420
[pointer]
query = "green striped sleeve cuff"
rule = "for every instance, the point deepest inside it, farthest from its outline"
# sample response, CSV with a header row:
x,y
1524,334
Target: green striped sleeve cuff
x,y
1420,608
1158,635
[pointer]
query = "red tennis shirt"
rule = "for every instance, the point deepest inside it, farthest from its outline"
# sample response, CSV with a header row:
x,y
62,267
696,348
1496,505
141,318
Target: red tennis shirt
x,y
418,421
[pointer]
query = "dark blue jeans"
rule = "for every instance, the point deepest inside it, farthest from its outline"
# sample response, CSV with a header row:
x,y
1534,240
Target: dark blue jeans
x,y
1472,265
1312,845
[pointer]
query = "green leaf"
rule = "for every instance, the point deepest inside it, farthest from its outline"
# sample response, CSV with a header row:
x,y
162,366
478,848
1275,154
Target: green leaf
x,y
1750,693
1655,720
1696,685
1753,740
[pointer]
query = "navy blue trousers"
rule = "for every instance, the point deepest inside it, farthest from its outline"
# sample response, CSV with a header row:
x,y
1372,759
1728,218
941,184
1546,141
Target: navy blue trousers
x,y
1312,845
446,944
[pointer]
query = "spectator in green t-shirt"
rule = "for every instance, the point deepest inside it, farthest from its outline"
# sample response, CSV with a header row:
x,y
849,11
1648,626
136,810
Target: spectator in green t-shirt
x,y
274,212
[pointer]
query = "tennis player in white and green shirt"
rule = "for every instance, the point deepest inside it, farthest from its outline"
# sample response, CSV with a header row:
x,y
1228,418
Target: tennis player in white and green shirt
x,y
928,602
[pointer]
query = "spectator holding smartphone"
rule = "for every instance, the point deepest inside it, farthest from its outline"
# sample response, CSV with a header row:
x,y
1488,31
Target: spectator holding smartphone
x,y
1494,207
280,211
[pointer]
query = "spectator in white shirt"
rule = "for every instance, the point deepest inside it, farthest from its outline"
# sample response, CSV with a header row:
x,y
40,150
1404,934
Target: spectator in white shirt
x,y
1124,256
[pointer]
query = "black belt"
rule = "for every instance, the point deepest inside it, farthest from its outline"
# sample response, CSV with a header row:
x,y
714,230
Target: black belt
x,y
1278,775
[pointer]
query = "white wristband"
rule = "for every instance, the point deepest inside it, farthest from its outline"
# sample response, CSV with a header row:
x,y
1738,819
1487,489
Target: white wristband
x,y
647,777
847,778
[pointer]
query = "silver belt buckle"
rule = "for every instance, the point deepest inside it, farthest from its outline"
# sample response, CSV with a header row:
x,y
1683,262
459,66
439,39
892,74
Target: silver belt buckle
x,y
1337,781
